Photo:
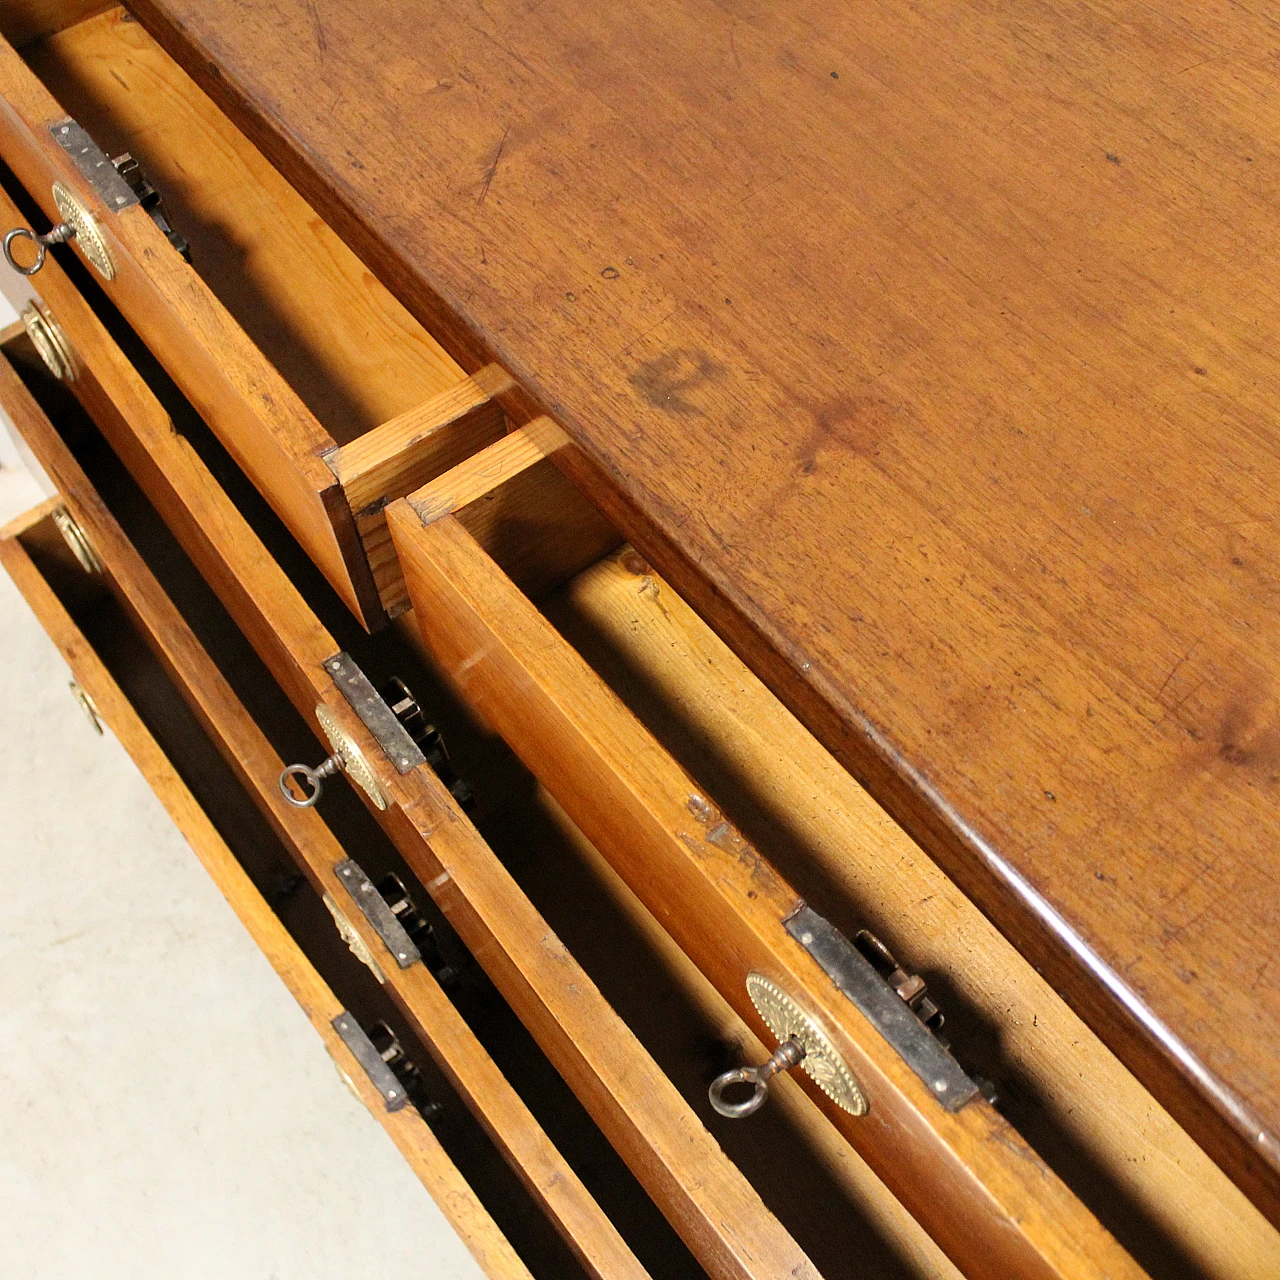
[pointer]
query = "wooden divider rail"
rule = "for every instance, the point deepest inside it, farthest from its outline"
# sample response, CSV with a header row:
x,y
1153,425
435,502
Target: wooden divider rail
x,y
406,1127
327,482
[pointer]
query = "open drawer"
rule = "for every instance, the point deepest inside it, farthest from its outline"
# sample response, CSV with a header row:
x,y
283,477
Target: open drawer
x,y
328,394
614,724
719,1225
120,683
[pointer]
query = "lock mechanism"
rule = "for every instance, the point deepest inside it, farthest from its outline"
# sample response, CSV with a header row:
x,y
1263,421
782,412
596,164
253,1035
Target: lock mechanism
x,y
150,199
910,987
396,723
428,739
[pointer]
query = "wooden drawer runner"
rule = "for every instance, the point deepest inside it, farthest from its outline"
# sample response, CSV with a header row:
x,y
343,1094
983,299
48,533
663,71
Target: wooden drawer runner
x,y
25,553
329,395
715,1211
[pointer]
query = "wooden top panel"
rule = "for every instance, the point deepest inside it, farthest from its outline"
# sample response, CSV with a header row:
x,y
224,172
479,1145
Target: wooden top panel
x,y
931,350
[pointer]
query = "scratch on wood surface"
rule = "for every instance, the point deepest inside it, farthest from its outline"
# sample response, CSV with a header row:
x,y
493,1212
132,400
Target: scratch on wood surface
x,y
493,168
321,43
1176,666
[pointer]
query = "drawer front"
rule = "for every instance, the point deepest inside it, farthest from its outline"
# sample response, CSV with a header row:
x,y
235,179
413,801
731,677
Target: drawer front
x,y
326,863
963,1172
721,1218
405,1125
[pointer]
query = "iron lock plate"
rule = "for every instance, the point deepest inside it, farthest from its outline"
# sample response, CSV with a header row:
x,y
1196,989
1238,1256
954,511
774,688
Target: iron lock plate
x,y
877,1001
377,717
380,1075
93,165
373,906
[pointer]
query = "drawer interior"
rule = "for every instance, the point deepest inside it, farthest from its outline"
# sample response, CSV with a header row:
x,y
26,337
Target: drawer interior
x,y
346,346
329,393
107,625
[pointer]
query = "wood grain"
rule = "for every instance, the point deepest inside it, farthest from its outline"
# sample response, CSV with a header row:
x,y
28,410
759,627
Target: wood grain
x,y
720,1217
406,1128
976,1187
1081,1109
349,350
451,1042
919,348
401,455
415,446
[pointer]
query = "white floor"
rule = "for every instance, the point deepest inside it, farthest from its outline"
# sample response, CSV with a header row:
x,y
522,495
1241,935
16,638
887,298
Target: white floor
x,y
166,1111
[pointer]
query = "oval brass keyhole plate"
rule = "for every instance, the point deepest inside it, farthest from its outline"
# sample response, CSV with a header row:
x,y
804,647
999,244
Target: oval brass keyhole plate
x,y
49,341
88,235
822,1061
356,765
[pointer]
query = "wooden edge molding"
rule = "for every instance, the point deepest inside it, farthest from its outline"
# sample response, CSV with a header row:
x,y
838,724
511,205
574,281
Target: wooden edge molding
x,y
406,1128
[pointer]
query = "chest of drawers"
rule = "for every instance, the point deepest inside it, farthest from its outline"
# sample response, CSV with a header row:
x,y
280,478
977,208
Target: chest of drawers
x,y
288,481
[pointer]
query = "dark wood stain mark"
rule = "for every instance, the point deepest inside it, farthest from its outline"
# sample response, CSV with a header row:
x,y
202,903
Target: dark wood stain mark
x,y
1245,739
665,382
851,425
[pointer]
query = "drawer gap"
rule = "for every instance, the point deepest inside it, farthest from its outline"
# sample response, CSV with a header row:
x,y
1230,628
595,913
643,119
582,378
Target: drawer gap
x,y
112,634
499,1030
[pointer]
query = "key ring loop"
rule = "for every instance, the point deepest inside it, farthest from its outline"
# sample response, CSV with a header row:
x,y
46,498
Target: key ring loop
x,y
59,235
749,1106
790,1053
313,776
